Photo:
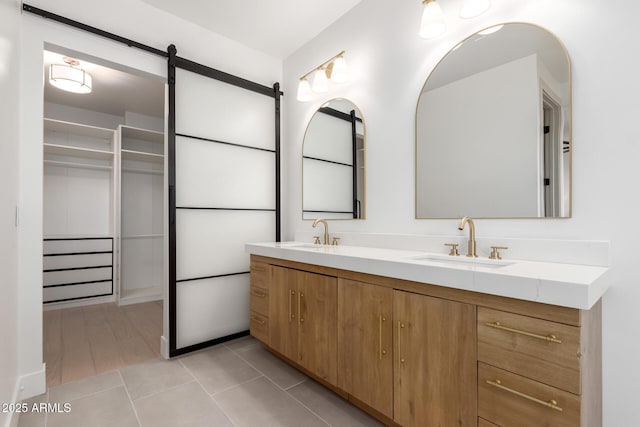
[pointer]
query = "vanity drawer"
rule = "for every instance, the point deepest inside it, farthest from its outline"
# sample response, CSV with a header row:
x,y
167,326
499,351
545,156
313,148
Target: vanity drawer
x,y
510,400
259,326
538,349
259,299
260,275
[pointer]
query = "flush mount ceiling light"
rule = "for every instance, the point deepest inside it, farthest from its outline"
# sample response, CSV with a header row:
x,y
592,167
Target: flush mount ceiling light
x,y
433,24
334,70
473,8
69,76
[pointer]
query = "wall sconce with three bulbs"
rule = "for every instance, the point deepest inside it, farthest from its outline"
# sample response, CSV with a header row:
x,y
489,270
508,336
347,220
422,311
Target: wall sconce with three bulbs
x,y
433,24
334,70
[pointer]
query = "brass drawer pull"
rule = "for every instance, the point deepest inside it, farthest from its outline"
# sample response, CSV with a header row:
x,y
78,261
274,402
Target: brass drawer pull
x,y
381,352
400,358
553,404
291,315
255,319
259,293
550,338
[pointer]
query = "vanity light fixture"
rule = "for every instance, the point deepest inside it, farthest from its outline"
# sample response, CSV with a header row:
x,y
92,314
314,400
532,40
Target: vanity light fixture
x,y
433,24
334,70
70,77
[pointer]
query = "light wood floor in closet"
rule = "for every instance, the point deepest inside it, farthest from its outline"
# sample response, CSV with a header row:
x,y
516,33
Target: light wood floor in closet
x,y
83,341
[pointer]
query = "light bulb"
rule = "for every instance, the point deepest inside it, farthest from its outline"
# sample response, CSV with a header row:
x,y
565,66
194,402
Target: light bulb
x,y
304,91
473,8
339,72
432,24
320,82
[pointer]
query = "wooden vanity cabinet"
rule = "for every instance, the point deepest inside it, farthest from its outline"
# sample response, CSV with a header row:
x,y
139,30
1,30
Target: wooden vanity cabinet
x,y
409,356
302,320
365,343
416,354
435,361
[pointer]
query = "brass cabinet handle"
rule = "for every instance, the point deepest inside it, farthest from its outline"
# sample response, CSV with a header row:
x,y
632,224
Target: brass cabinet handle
x,y
300,319
255,319
553,404
400,358
259,293
550,338
381,352
291,315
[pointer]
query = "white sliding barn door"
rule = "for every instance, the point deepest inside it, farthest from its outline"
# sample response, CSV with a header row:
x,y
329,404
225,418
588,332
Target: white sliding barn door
x,y
223,185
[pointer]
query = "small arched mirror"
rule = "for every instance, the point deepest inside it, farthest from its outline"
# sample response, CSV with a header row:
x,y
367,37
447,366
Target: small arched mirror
x,y
333,154
493,128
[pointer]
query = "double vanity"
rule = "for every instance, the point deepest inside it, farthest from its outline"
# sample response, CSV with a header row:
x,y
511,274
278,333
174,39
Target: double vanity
x,y
428,339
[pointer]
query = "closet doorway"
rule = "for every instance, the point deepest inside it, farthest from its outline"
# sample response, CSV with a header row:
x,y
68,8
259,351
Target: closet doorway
x,y
104,216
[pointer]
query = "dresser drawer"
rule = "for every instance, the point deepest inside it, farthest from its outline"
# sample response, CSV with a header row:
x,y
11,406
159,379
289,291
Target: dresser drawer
x,y
259,298
259,326
545,351
510,400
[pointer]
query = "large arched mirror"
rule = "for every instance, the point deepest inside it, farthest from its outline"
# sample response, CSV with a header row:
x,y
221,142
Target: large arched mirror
x,y
493,128
333,154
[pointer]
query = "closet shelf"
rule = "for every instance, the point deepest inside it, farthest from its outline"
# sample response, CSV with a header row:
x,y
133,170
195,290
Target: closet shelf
x,y
78,129
87,153
142,236
139,170
77,165
142,156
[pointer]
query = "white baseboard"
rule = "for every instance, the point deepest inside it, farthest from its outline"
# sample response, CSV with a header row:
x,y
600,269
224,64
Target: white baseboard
x,y
27,386
32,384
164,347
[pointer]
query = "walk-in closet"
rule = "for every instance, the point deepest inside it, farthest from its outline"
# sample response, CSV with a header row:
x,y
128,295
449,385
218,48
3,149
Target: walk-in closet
x,y
104,219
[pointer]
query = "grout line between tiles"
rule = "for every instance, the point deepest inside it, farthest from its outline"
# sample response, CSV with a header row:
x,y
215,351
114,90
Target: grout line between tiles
x,y
155,393
295,385
92,394
133,406
227,416
237,385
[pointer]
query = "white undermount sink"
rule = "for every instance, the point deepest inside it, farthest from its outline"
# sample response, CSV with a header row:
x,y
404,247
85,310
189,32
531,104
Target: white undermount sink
x,y
462,261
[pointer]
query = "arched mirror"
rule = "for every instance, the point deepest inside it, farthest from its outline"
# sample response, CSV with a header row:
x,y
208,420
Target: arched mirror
x,y
493,128
333,154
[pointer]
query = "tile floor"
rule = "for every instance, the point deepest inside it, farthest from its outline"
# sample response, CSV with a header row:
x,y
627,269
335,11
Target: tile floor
x,y
236,384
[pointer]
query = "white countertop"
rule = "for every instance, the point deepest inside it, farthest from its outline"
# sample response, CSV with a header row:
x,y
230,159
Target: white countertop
x,y
568,285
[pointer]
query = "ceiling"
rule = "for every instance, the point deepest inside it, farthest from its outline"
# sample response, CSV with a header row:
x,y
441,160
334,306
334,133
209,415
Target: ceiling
x,y
275,27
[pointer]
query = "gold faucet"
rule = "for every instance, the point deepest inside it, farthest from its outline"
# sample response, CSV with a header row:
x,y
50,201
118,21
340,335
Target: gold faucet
x,y
472,236
326,229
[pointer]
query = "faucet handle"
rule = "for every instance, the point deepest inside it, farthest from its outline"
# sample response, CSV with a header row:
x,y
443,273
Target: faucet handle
x,y
334,242
316,240
454,249
495,251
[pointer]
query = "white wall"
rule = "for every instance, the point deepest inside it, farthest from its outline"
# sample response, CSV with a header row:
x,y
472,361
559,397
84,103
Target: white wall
x,y
389,64
125,18
498,145
9,143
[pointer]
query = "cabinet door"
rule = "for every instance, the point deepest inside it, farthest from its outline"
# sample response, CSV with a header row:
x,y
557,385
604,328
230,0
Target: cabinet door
x,y
365,333
283,310
317,328
435,362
